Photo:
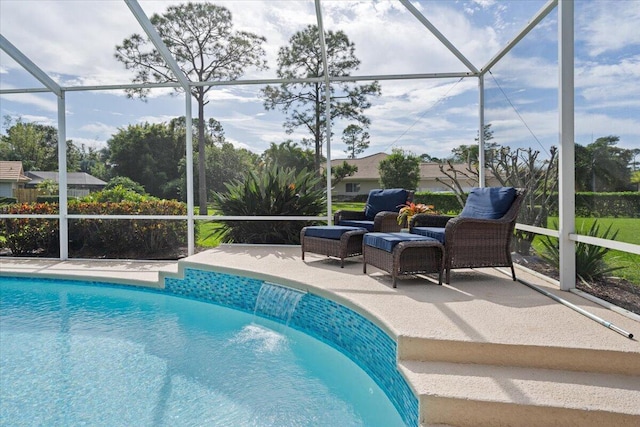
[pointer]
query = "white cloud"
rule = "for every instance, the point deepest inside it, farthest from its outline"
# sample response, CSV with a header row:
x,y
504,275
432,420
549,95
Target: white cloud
x,y
608,27
88,142
71,41
607,83
155,119
42,101
101,131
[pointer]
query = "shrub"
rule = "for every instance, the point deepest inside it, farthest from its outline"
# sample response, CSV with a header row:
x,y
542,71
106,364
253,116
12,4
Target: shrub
x,y
121,237
276,191
48,199
117,193
115,238
445,203
125,182
590,262
30,236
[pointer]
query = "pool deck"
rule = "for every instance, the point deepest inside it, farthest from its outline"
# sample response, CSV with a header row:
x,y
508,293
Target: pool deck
x,y
483,351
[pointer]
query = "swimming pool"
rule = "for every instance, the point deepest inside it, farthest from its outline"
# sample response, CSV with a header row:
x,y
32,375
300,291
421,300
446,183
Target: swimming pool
x,y
72,352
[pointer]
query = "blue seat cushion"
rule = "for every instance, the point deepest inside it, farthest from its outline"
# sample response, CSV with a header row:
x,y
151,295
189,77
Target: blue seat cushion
x,y
488,203
434,232
387,241
384,200
328,231
358,223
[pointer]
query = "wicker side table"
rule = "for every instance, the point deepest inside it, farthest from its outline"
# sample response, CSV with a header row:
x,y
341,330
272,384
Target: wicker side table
x,y
335,241
411,255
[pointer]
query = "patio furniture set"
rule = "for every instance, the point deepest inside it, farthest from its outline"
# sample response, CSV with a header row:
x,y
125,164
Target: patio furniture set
x,y
479,237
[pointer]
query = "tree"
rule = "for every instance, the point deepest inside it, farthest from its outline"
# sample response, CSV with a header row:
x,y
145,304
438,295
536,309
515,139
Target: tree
x,y
522,168
400,170
288,154
601,166
148,154
225,164
426,158
356,139
35,145
469,153
342,171
305,103
126,183
201,38
635,179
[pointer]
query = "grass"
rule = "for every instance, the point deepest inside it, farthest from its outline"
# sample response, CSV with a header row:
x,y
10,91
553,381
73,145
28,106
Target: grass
x,y
629,232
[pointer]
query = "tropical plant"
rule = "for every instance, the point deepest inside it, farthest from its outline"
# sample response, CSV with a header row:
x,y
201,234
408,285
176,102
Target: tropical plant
x,y
411,209
590,259
273,192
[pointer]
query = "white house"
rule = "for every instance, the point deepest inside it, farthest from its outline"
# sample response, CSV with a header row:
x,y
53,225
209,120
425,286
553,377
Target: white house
x,y
368,177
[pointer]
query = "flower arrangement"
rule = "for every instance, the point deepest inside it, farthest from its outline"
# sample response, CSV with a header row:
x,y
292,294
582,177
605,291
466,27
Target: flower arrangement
x,y
410,209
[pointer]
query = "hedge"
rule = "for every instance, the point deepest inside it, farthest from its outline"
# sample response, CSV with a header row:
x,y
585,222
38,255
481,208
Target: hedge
x,y
596,205
444,203
600,205
97,237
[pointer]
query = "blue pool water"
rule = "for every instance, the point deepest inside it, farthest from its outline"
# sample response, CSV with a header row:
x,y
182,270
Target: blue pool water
x,y
73,354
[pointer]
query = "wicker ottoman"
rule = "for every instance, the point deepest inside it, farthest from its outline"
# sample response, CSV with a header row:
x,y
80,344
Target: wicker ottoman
x,y
332,240
403,254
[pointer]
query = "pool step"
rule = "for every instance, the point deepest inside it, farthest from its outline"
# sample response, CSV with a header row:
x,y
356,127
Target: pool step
x,y
460,394
520,355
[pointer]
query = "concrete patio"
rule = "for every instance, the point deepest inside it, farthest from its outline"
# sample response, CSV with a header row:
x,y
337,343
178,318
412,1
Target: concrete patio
x,y
483,351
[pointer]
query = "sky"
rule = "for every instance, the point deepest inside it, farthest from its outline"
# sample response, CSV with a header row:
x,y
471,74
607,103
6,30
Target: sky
x,y
74,43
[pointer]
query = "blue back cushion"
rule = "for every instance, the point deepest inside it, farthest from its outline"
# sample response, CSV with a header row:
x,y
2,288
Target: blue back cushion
x,y
489,202
384,200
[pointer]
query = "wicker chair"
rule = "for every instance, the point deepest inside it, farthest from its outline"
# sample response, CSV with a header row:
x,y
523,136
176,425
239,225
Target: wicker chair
x,y
474,239
380,213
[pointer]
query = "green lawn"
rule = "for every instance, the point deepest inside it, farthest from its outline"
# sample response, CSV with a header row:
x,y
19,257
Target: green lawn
x,y
628,231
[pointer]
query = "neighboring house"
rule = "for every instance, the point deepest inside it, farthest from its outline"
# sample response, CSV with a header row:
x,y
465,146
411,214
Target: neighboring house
x,y
79,184
12,178
368,177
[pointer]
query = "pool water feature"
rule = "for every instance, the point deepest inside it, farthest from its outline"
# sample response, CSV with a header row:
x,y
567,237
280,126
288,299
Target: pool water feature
x,y
171,367
277,302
